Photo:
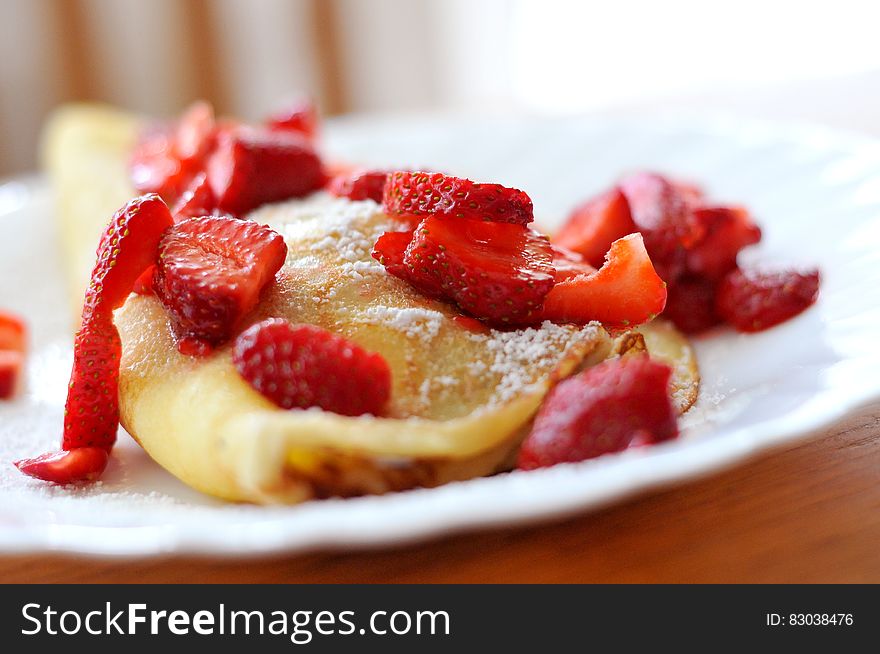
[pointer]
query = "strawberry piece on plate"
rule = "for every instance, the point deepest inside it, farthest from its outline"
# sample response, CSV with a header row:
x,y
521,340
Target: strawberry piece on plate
x,y
210,274
662,214
596,224
66,466
435,194
691,304
302,366
359,185
11,367
752,301
601,410
625,291
13,333
300,117
726,231
251,167
497,272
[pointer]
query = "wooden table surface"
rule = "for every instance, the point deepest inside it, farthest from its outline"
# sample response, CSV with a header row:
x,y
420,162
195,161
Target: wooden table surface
x,y
806,514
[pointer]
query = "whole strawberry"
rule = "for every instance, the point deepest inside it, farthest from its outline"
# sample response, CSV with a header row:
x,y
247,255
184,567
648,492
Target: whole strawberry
x,y
303,366
602,410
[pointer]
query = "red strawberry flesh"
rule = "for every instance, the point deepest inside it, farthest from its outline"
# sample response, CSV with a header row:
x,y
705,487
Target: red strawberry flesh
x,y
359,185
300,117
251,167
66,466
602,410
11,367
625,291
303,366
595,225
210,274
752,301
726,231
435,194
497,272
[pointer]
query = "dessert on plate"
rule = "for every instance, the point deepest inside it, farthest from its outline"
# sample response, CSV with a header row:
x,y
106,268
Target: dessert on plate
x,y
273,328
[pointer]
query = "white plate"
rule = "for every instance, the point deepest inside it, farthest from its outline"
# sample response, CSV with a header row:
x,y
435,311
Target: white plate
x,y
815,193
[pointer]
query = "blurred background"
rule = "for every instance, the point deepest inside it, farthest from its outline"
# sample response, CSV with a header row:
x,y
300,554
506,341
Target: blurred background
x,y
817,61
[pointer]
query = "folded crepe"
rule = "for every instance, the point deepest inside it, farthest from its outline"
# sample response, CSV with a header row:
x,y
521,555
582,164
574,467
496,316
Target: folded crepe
x,y
462,398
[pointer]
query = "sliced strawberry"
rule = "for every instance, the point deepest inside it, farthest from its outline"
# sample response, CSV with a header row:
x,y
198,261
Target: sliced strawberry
x,y
662,214
167,157
726,231
127,248
359,185
210,274
197,200
251,167
301,117
601,410
691,304
389,250
568,264
13,333
143,285
497,272
91,413
753,301
66,466
596,224
11,368
625,291
302,366
435,194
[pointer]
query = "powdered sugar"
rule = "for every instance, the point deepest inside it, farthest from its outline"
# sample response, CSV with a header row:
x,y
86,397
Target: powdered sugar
x,y
413,322
518,354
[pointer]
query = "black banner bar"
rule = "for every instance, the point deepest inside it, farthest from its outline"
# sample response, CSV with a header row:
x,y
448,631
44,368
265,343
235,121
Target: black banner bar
x,y
437,618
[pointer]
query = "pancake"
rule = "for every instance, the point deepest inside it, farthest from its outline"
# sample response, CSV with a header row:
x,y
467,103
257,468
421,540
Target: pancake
x,y
462,398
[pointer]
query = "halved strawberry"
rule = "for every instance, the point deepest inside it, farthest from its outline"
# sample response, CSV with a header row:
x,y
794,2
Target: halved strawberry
x,y
435,194
497,272
662,214
66,467
596,224
752,301
359,184
210,274
604,409
300,116
726,231
301,366
389,250
251,167
11,368
13,333
625,291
